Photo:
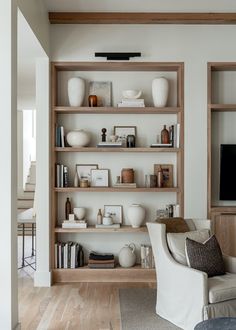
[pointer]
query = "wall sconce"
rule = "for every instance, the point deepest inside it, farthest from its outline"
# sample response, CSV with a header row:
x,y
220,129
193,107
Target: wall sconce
x,y
118,56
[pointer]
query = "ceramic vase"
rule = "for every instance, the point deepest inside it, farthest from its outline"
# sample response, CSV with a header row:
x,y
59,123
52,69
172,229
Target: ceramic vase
x,y
76,91
80,212
136,215
160,89
78,138
127,256
76,179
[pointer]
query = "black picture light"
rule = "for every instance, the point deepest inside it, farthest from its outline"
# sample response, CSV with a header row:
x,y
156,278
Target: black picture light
x,y
118,56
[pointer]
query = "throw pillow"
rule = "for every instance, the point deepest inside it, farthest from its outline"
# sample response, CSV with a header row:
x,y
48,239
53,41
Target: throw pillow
x,y
206,257
176,243
174,225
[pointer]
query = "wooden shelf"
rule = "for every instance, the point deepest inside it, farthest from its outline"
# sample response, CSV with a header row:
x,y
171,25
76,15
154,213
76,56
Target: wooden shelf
x,y
226,209
113,189
223,107
108,149
116,110
118,274
140,18
92,229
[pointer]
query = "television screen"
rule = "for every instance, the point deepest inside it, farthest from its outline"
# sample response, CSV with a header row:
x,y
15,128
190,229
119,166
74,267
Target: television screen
x,y
228,172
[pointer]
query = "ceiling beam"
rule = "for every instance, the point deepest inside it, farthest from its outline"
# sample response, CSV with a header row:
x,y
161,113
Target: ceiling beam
x,y
140,18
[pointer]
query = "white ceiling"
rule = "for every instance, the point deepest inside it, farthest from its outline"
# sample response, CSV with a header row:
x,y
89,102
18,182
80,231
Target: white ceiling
x,y
142,6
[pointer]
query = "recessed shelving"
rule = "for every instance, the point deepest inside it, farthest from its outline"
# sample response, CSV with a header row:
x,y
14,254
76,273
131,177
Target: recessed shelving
x,y
92,229
115,110
108,149
114,189
222,107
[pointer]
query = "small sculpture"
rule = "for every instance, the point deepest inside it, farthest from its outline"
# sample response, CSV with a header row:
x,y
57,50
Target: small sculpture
x,y
104,134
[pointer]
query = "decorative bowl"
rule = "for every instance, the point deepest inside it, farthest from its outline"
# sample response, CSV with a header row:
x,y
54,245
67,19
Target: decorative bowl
x,y
131,94
78,138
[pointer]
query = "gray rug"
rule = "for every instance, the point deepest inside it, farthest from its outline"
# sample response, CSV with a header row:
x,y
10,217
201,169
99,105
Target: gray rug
x,y
137,306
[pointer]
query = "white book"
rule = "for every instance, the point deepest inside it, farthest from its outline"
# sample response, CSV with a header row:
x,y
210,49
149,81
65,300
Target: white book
x,y
61,176
56,255
132,101
65,255
72,261
136,105
59,255
74,225
114,225
62,137
119,143
161,145
176,135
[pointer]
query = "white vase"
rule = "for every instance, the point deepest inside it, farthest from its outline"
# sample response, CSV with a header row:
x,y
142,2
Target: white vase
x,y
136,215
76,91
76,179
78,138
160,89
79,212
127,256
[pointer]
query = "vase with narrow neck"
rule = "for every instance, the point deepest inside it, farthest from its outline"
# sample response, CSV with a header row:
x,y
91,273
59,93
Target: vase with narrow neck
x,y
160,90
76,91
165,137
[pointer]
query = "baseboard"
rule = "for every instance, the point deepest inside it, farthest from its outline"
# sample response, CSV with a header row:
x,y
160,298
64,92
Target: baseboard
x,y
42,279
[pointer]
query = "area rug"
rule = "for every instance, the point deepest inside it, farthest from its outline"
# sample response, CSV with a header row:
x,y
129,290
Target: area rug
x,y
137,307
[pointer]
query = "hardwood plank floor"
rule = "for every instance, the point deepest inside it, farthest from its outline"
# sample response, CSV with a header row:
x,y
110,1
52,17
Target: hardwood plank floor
x,y
76,306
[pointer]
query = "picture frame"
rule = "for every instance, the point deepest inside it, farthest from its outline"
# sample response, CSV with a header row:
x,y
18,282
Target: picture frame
x,y
123,131
167,170
116,212
102,89
99,178
84,171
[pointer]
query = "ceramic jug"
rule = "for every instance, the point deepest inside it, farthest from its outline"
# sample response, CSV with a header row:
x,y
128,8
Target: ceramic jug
x,y
127,256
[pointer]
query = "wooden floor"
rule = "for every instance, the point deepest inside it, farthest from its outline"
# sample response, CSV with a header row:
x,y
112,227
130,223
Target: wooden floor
x,y
77,306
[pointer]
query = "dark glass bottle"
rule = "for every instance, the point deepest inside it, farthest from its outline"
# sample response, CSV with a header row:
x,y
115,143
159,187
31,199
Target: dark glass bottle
x,y
165,137
67,208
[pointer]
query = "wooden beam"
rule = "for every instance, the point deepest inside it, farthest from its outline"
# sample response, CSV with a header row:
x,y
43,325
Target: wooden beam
x,y
140,18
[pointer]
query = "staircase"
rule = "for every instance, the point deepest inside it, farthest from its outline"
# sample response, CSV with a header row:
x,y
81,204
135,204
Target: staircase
x,y
26,200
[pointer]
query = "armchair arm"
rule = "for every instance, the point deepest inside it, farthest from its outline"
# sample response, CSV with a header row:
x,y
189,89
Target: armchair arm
x,y
230,263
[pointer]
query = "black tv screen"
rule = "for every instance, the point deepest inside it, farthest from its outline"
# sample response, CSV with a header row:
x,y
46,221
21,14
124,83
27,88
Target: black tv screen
x,y
228,172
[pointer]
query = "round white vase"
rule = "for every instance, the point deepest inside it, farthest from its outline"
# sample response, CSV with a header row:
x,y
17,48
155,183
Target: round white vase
x,y
127,256
78,138
80,212
76,91
136,215
160,90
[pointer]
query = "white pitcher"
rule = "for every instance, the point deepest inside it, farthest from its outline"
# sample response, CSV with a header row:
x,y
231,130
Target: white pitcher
x,y
127,256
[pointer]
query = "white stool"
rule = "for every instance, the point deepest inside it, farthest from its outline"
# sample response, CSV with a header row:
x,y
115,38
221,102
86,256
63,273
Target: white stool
x,y
27,217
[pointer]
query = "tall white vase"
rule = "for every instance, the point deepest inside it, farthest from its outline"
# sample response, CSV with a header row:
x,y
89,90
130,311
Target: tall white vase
x,y
160,90
136,215
76,91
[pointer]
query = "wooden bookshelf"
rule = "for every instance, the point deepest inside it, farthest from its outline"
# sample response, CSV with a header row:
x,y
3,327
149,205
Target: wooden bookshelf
x,y
113,189
116,149
92,229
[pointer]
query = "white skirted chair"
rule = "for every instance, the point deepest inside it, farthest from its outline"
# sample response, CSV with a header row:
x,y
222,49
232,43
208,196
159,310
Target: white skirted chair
x,y
186,296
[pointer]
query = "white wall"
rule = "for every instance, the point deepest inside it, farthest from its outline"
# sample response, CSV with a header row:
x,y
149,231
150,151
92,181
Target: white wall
x,y
195,45
36,15
8,171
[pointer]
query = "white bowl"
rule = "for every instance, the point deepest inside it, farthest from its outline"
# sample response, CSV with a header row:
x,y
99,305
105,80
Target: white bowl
x,y
131,94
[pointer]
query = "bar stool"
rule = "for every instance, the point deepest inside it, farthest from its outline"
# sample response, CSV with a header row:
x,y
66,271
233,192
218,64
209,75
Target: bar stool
x,y
27,218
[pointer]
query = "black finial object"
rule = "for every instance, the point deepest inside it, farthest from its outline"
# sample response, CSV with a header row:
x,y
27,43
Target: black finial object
x,y
104,134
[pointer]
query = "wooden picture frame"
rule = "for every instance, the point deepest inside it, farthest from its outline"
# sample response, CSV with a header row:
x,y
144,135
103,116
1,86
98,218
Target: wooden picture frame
x,y
167,170
99,178
116,211
123,131
84,171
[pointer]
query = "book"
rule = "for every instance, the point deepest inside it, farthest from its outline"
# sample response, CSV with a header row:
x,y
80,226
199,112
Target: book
x,y
73,255
70,224
97,266
58,136
58,175
130,105
132,101
56,255
65,177
161,145
61,176
114,225
125,185
110,144
65,255
62,144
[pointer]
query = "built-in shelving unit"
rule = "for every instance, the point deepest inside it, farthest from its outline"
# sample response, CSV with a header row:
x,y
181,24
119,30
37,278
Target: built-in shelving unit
x,y
223,215
64,111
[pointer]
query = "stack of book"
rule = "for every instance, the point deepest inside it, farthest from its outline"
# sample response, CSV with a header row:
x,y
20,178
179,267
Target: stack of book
x,y
74,224
62,179
136,103
117,144
125,185
68,255
101,260
60,136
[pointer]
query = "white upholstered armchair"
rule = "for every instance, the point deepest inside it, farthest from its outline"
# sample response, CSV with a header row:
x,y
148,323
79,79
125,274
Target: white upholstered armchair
x,y
186,296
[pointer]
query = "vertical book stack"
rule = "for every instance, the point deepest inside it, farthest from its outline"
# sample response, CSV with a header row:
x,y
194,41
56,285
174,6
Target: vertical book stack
x,y
68,255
